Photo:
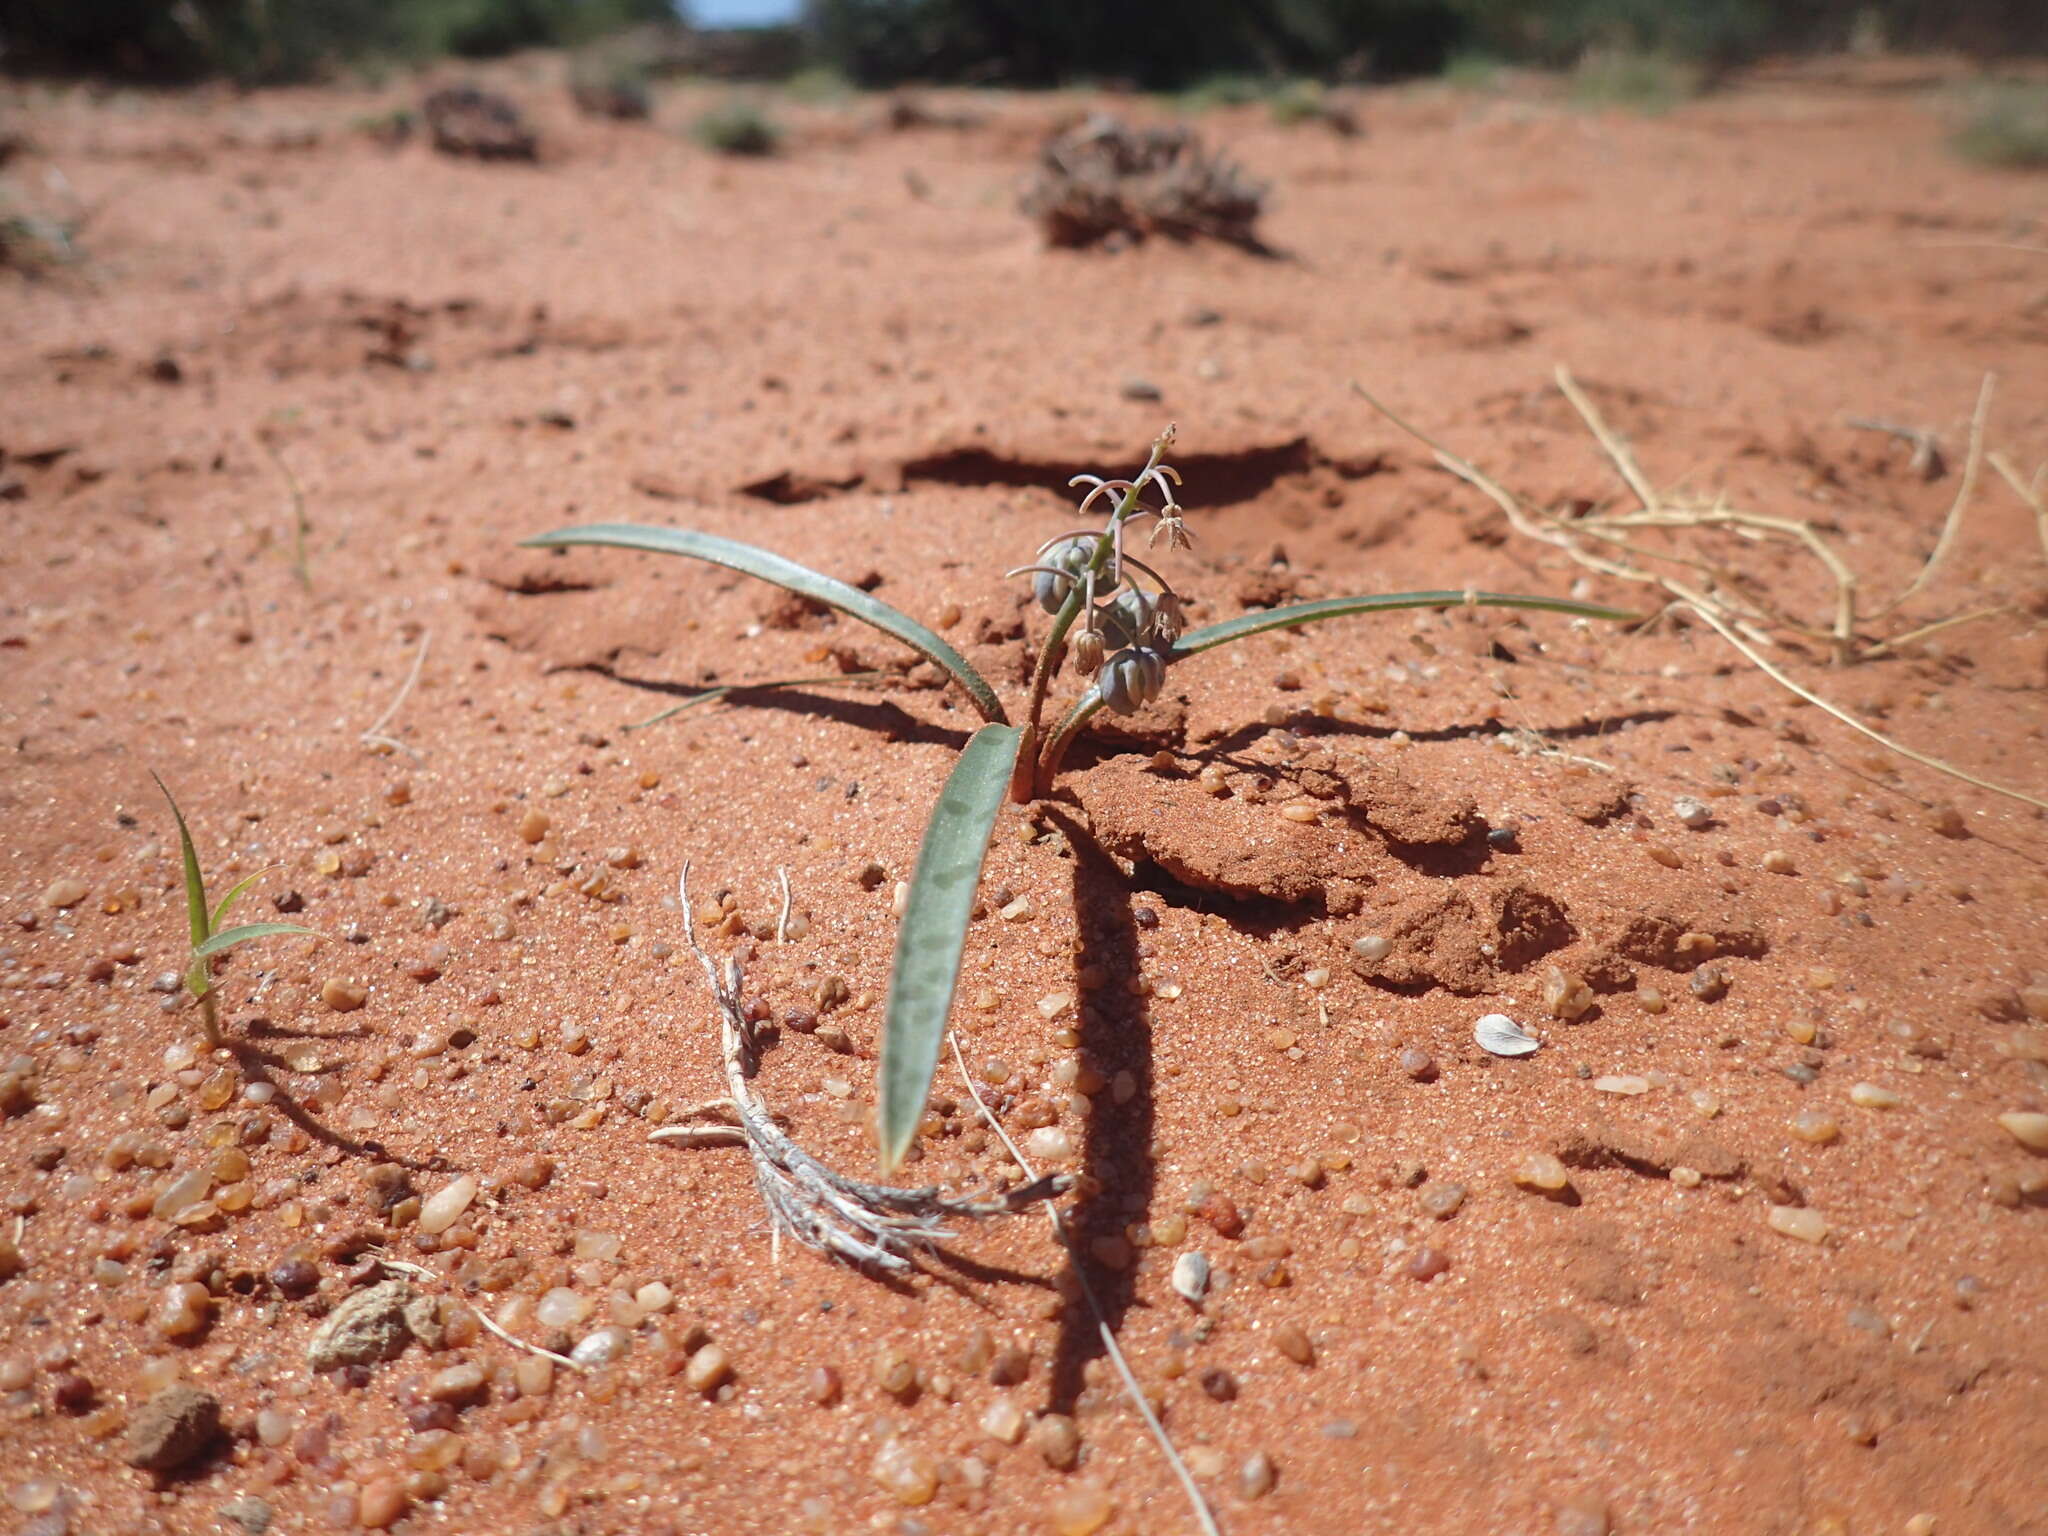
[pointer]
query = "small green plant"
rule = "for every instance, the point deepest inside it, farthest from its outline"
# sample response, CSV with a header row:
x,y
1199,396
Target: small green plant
x,y
1472,72
1131,631
818,85
1218,91
2008,126
613,83
737,128
1650,83
209,938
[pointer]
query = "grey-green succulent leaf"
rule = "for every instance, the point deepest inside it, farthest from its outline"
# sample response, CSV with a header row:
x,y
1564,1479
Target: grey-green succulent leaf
x,y
787,574
934,929
1261,620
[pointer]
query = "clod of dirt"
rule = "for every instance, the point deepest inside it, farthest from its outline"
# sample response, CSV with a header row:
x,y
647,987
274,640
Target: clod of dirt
x,y
1241,843
1594,798
465,120
1464,942
173,1429
1678,944
1102,181
374,1325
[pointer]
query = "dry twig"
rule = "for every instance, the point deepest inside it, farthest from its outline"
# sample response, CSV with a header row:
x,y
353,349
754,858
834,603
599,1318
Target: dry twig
x,y
374,735
1598,544
420,1272
1059,1229
871,1226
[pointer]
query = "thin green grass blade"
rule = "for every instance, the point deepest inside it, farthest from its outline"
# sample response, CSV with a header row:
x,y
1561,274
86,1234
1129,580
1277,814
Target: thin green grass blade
x,y
1258,623
228,901
228,938
195,883
934,929
787,574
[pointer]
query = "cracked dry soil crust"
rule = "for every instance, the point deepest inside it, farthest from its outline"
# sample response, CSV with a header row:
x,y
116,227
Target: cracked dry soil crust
x,y
1260,1034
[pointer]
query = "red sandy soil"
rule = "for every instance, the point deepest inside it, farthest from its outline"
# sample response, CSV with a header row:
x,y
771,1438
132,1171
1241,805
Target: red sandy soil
x,y
859,354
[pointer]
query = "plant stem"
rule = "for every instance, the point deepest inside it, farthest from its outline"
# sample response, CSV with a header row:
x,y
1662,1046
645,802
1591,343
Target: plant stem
x,y
1023,783
209,1015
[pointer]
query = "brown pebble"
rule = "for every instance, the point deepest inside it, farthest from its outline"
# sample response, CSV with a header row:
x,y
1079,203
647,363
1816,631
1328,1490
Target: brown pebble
x,y
1055,1437
1427,1264
1292,1342
343,994
381,1502
173,1428
1221,1212
708,1369
1218,1383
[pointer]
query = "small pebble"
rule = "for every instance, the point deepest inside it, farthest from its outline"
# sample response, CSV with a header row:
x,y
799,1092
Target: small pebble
x,y
1056,1438
1811,1125
1871,1096
708,1369
1418,1064
381,1504
2028,1128
1372,948
1003,1421
65,892
1256,1477
1798,1222
1541,1171
1052,1143
602,1346
1621,1084
342,994
1191,1276
1427,1264
1081,1510
441,1208
1566,995
1294,1343
1692,813
1440,1199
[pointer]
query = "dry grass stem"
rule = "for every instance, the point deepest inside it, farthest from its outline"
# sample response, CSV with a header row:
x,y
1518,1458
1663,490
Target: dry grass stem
x,y
1928,461
1596,543
490,1325
871,1226
374,735
782,917
1203,1516
1973,462
2034,494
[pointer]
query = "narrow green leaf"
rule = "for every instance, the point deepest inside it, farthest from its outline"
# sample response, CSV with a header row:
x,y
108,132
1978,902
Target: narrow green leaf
x,y
1293,614
934,928
792,577
228,901
228,938
195,883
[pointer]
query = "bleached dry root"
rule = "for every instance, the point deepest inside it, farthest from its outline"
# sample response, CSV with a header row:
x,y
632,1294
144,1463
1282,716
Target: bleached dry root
x,y
872,1226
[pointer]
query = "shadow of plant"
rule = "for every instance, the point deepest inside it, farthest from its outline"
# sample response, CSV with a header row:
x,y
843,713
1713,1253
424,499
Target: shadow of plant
x,y
1118,1174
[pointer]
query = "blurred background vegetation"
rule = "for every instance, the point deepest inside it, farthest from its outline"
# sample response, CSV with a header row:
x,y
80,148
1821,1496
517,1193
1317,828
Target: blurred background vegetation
x,y
1143,43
